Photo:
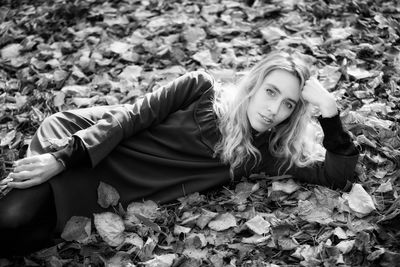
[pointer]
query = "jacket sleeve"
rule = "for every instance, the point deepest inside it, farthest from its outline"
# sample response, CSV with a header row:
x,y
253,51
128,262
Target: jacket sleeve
x,y
123,121
336,171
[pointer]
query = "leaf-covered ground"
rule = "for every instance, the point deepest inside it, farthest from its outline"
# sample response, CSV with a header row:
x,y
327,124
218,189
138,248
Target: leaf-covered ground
x,y
58,55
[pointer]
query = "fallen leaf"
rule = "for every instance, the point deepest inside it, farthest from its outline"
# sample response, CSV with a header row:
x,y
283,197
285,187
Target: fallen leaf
x,y
84,101
148,209
134,239
110,227
345,246
360,201
195,240
205,217
192,199
6,140
340,233
165,260
146,253
243,191
60,75
288,187
107,195
258,225
312,212
204,58
131,73
340,33
256,239
376,254
192,36
119,47
286,243
359,73
272,34
181,229
329,76
385,187
59,99
121,258
222,222
20,100
78,229
306,252
76,90
200,254
11,51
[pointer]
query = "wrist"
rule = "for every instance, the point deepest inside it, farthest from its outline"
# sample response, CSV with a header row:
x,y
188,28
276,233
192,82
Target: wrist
x,y
61,166
329,110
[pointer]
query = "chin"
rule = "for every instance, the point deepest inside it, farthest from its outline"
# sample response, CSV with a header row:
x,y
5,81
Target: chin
x,y
260,129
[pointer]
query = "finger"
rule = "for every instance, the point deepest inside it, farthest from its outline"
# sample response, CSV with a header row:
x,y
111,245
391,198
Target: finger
x,y
5,181
26,161
25,167
21,176
24,184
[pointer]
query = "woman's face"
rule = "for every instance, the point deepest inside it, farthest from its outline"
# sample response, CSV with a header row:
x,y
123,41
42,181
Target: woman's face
x,y
274,101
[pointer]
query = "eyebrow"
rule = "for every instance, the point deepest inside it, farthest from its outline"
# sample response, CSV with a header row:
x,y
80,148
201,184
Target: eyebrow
x,y
277,89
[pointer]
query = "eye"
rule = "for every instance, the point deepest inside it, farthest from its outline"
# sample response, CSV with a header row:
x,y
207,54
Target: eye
x,y
289,105
270,92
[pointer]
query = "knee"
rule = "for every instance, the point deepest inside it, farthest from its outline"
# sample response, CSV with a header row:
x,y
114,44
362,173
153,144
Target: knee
x,y
12,217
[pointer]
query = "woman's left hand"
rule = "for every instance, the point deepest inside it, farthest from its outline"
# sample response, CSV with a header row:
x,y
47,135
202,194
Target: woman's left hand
x,y
32,171
314,93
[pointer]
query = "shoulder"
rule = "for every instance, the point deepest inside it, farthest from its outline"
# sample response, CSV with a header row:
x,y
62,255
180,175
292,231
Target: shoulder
x,y
193,83
200,78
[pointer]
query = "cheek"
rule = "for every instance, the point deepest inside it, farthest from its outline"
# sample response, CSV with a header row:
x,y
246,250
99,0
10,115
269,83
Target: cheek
x,y
283,115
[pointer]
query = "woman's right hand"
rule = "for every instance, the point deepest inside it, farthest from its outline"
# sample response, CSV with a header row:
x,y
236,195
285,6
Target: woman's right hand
x,y
32,171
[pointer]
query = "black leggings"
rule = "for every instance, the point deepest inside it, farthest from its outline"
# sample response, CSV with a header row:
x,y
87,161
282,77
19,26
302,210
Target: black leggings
x,y
27,220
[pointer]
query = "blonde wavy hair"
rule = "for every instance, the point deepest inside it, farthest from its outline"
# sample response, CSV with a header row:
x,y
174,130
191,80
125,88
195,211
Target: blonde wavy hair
x,y
295,141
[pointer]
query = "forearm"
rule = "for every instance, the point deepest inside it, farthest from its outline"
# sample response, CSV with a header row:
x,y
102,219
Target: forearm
x,y
336,139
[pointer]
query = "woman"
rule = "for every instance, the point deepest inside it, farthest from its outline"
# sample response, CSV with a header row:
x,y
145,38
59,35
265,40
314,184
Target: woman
x,y
186,137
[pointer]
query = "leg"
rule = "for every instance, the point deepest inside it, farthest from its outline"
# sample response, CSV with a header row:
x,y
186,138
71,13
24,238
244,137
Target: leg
x,y
27,221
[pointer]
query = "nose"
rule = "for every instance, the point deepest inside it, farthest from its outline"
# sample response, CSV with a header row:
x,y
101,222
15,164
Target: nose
x,y
273,107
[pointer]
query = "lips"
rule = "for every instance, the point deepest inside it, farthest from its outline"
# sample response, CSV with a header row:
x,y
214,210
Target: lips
x,y
267,120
